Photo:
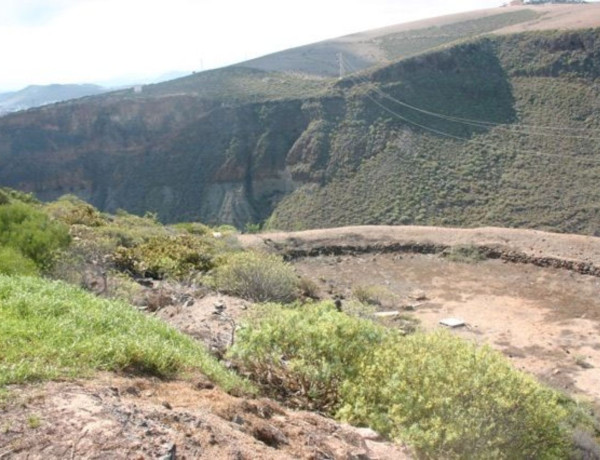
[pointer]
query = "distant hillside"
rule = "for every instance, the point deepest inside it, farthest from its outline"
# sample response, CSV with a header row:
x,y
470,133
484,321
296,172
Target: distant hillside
x,y
383,46
36,95
499,130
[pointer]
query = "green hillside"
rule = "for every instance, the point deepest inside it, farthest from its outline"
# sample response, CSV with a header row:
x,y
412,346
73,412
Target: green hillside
x,y
500,130
536,168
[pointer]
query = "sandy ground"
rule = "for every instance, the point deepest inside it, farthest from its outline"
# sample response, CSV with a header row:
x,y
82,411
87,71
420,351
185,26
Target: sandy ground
x,y
531,243
546,320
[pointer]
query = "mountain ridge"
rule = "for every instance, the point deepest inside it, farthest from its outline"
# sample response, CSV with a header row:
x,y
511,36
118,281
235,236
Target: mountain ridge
x,y
240,145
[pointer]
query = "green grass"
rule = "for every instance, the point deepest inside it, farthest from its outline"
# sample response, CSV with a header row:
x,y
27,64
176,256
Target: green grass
x,y
50,330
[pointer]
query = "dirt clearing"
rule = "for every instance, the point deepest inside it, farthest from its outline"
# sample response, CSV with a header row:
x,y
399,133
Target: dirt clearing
x,y
545,319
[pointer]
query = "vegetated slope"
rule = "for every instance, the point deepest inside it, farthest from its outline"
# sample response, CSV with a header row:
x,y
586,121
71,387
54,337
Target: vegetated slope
x,y
237,145
36,95
381,46
434,171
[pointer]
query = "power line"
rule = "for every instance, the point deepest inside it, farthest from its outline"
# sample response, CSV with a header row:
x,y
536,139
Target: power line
x,y
477,123
471,141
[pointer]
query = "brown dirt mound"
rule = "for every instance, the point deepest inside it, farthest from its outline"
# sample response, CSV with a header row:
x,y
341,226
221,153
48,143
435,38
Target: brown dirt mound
x,y
135,418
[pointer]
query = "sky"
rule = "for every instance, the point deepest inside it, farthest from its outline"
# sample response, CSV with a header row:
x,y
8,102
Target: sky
x,y
113,42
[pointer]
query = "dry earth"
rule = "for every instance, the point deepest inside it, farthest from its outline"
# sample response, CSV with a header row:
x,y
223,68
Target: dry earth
x,y
546,319
133,418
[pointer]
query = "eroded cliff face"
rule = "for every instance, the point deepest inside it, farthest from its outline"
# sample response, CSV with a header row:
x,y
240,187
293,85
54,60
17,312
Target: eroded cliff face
x,y
401,145
180,156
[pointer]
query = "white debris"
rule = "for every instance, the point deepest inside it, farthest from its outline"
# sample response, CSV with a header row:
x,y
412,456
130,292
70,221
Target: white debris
x,y
452,322
217,234
386,314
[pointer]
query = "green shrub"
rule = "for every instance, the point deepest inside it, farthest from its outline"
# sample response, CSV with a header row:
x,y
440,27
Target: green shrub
x,y
32,232
252,228
451,399
372,295
195,228
465,253
16,195
167,256
53,330
442,395
72,210
258,277
12,262
305,352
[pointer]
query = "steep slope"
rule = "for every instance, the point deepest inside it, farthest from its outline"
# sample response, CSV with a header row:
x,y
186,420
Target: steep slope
x,y
430,170
239,145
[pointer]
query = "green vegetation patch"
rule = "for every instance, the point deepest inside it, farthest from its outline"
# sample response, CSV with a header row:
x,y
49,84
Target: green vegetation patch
x,y
417,41
12,262
258,277
446,397
306,352
464,253
452,399
167,256
51,330
32,233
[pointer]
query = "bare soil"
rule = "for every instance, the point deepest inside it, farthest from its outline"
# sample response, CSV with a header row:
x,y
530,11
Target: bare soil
x,y
545,319
134,418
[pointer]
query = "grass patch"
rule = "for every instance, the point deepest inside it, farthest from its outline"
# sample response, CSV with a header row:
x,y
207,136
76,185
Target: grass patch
x,y
31,232
373,294
12,262
50,330
34,421
464,253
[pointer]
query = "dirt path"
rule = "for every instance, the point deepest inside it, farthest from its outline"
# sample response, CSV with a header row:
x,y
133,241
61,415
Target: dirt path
x,y
546,319
530,243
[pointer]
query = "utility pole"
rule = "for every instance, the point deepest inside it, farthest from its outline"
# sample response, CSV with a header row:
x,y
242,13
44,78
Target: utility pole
x,y
340,57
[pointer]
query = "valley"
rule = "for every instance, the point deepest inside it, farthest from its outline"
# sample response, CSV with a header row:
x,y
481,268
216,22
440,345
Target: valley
x,y
380,246
493,130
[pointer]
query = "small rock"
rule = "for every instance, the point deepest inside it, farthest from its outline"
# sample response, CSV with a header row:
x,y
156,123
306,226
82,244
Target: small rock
x,y
452,322
171,453
132,391
204,385
270,435
583,364
360,455
368,433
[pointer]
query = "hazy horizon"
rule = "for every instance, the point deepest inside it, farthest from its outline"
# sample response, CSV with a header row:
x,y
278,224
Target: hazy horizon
x,y
118,42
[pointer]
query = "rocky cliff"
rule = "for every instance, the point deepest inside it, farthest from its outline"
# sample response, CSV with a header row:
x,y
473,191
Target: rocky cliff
x,y
459,136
